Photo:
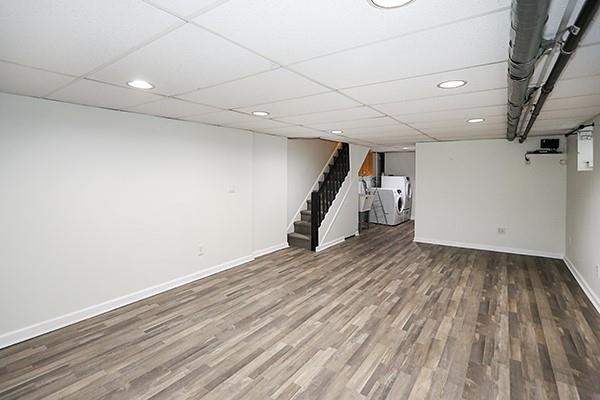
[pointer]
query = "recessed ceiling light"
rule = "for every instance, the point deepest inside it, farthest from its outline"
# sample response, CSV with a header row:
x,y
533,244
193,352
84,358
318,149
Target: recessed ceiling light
x,y
139,84
260,113
389,3
337,132
476,120
405,148
452,84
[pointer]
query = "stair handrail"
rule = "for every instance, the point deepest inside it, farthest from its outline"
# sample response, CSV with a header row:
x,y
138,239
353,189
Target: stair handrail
x,y
322,199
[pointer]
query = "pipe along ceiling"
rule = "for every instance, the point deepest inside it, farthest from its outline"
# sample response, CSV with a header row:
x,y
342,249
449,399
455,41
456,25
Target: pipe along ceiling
x,y
526,46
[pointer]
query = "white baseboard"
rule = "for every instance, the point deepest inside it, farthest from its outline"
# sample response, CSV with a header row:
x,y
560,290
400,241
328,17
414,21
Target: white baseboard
x,y
587,289
41,328
498,249
271,249
329,244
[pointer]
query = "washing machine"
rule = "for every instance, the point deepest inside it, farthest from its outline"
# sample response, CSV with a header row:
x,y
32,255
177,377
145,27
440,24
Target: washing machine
x,y
392,201
389,207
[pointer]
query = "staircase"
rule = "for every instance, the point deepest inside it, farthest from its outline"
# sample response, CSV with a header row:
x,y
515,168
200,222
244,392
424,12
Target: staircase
x,y
306,231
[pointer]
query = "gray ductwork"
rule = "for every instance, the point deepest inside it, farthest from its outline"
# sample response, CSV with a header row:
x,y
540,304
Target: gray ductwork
x,y
568,47
527,27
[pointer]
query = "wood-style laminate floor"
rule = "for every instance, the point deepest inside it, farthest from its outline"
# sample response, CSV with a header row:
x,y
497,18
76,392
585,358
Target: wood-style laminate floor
x,y
378,317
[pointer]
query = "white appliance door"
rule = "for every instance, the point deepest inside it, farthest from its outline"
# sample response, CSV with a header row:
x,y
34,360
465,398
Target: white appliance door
x,y
400,202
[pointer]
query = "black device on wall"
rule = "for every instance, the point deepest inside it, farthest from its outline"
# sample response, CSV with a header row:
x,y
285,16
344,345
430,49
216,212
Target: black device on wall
x,y
550,144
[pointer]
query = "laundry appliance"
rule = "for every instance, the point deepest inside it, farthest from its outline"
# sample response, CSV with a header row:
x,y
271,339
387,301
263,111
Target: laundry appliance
x,y
392,202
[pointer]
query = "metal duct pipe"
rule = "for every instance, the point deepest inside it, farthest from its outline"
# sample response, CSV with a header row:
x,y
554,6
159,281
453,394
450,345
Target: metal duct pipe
x,y
528,18
585,17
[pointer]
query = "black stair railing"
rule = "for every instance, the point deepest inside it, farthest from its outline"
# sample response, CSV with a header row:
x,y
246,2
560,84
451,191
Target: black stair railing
x,y
322,199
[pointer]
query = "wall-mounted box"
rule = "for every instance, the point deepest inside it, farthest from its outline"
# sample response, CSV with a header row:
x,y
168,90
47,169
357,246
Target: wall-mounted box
x,y
585,149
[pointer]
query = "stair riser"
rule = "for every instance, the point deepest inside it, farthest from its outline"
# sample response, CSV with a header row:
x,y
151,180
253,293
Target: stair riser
x,y
305,217
296,242
302,229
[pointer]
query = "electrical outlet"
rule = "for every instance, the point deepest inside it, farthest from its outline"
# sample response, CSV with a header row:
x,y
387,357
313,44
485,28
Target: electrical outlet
x,y
200,250
501,231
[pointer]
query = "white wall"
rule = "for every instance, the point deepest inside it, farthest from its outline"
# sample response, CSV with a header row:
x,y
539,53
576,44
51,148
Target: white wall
x,y
100,208
468,189
583,220
403,164
270,193
306,160
341,220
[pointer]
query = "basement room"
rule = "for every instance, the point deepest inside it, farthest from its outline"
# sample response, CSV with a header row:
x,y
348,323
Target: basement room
x,y
299,199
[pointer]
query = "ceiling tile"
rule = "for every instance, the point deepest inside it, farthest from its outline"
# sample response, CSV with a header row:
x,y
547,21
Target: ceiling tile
x,y
479,78
466,130
592,35
222,118
185,59
173,108
501,119
238,120
572,102
481,112
359,123
442,49
28,81
556,124
258,123
76,36
582,113
186,8
294,131
396,131
576,87
470,137
445,103
332,116
263,88
93,93
400,141
310,28
306,105
584,62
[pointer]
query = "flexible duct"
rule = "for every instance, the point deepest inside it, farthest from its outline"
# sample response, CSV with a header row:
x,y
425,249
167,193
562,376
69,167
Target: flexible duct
x,y
527,27
576,32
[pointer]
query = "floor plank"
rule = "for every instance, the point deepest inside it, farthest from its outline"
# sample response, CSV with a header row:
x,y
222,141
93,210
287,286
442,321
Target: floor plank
x,y
378,317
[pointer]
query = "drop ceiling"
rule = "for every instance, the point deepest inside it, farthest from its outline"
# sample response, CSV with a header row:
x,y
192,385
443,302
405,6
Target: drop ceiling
x,y
314,65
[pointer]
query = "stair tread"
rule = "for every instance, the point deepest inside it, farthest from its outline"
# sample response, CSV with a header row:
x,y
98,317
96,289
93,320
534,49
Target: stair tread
x,y
305,212
302,223
298,236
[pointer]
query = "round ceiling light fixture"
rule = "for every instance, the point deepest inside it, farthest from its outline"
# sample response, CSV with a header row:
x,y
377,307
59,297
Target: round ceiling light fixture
x,y
387,4
260,113
476,120
337,132
454,84
140,84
